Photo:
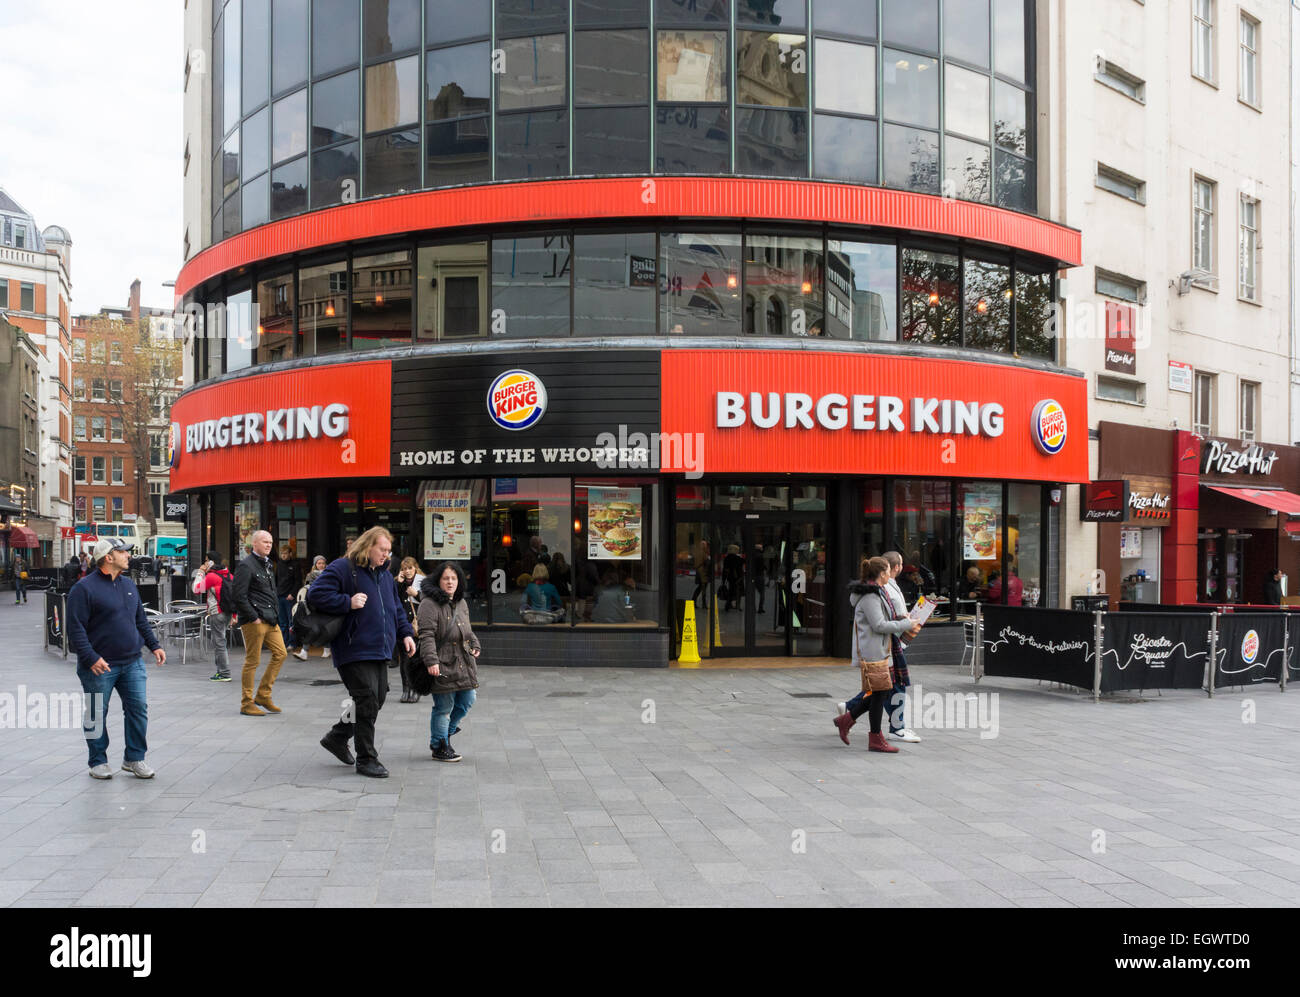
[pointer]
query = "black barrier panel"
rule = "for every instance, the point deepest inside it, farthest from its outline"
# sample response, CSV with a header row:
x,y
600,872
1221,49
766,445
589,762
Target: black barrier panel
x,y
55,613
149,594
1054,645
1250,649
1155,651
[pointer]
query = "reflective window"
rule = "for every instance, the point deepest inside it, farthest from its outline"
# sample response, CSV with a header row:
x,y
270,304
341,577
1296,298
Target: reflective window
x,y
922,528
535,144
390,26
517,17
451,20
275,315
335,109
453,515
453,283
457,152
334,29
966,102
691,139
691,11
1035,312
844,148
256,136
530,285
241,335
615,575
232,46
230,165
381,300
1009,40
290,30
257,56
988,305
607,13
611,67
845,17
218,60
846,77
611,140
535,73
289,126
967,170
392,94
692,66
771,142
929,304
771,69
786,13
255,199
392,162
322,308
911,88
911,23
335,172
911,159
1011,118
231,222
532,525
700,283
1024,577
457,82
966,31
861,290
614,284
783,286
1013,182
289,188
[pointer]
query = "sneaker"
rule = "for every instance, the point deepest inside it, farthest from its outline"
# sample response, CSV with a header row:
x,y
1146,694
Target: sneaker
x,y
904,735
219,678
138,769
841,709
101,771
325,652
445,753
372,768
300,653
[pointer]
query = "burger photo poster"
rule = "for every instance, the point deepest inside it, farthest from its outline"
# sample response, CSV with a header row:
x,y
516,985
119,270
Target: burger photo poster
x,y
980,527
613,524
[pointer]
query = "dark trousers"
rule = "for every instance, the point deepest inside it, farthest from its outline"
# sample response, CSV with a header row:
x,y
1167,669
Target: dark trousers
x,y
896,696
872,703
367,685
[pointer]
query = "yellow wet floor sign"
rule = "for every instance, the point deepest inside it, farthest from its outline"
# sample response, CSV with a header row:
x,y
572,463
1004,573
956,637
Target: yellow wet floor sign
x,y
690,654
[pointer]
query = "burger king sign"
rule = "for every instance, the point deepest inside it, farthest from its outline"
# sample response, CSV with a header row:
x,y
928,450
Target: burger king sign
x,y
1250,647
516,400
1047,425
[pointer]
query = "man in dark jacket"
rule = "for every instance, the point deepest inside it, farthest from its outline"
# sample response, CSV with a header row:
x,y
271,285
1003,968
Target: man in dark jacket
x,y
288,580
106,626
255,603
362,587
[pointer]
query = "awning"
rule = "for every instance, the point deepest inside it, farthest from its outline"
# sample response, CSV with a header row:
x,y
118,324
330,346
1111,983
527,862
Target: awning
x,y
7,505
1291,527
22,536
1275,500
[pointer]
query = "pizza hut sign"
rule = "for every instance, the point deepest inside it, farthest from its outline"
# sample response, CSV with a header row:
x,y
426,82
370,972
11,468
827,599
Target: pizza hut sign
x,y
1251,459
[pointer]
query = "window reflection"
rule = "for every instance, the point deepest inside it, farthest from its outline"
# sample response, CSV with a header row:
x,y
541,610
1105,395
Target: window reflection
x,y
914,23
289,126
988,305
911,159
861,290
611,140
333,35
846,77
535,72
289,29
966,102
241,333
772,142
391,26
392,90
532,144
845,148
453,291
457,152
968,170
333,173
449,20
392,162
381,300
255,137
783,286
700,283
1035,312
692,66
692,139
531,526
457,82
611,67
966,31
530,285
930,283
771,69
275,313
289,188
322,308
614,282
334,115
911,88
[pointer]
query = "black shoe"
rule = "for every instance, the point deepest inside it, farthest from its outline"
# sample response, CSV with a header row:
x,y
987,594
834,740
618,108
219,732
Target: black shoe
x,y
338,750
444,753
373,769
454,732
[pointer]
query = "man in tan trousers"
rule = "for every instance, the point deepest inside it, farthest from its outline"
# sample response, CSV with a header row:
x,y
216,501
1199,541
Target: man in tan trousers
x,y
255,602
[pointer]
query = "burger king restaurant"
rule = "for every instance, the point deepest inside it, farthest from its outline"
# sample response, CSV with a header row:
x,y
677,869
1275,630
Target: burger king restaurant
x,y
593,495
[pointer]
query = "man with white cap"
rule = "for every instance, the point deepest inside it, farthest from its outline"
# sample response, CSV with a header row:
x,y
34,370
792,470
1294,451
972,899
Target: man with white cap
x,y
106,626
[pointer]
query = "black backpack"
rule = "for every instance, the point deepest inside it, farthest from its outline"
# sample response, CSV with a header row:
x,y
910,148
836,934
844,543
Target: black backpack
x,y
226,594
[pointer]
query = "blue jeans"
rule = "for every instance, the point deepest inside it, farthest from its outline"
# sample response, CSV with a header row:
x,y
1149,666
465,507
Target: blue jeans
x,y
286,622
129,680
894,706
20,590
449,709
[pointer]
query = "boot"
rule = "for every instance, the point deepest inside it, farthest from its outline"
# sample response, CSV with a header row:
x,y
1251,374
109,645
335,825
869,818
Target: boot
x,y
246,707
877,742
263,697
845,722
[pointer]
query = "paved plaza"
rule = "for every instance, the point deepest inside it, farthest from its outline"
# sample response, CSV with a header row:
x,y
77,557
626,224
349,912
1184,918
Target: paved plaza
x,y
738,793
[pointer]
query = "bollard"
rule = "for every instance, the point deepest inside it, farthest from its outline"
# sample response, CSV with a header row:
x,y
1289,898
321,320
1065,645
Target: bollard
x,y
1096,656
1212,665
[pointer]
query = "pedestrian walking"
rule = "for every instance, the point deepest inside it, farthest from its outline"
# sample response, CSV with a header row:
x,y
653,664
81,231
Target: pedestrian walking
x,y
106,627
408,586
255,603
450,650
20,580
360,586
288,580
211,576
318,565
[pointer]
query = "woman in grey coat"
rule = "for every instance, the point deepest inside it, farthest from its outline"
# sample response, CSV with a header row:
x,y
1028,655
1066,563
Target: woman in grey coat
x,y
450,650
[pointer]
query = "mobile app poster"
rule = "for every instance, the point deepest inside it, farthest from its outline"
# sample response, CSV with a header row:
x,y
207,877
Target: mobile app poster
x,y
614,524
447,514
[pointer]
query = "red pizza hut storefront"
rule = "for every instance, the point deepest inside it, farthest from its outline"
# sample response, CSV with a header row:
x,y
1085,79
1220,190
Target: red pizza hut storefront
x,y
631,483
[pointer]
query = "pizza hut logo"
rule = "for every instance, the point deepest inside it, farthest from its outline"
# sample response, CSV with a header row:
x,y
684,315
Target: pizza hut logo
x,y
1048,426
1250,647
1104,494
1188,454
516,400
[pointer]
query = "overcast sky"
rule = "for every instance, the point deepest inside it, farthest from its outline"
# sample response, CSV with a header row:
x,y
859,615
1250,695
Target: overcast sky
x,y
92,137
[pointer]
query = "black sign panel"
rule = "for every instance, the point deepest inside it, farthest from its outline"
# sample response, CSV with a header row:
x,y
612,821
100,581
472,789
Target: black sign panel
x,y
1103,501
176,508
1155,650
1250,648
599,413
1054,645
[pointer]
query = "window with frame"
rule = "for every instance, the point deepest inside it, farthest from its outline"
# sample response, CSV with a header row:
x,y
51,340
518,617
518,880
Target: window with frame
x,y
78,345
78,389
27,297
1203,40
1114,285
97,351
97,471
115,352
114,390
1118,182
118,471
1114,389
115,429
79,427
118,508
97,390
157,451
79,470
99,503
1203,404
1249,418
1248,250
1203,225
1248,61
1119,79
97,427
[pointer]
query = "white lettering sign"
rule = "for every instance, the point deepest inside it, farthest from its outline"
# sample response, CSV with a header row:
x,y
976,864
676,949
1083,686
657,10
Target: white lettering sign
x,y
886,413
273,426
1250,459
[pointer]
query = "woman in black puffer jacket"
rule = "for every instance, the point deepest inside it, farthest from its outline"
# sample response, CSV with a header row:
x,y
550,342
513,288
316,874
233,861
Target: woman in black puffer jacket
x,y
450,650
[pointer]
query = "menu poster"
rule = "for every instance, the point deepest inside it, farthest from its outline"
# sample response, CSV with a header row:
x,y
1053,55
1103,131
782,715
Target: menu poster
x,y
447,514
979,525
1130,544
613,524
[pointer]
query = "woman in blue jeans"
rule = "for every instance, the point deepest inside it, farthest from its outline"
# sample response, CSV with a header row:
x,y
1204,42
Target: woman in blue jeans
x,y
450,650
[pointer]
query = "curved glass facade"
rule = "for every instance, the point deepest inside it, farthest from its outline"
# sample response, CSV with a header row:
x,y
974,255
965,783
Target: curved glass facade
x,y
320,102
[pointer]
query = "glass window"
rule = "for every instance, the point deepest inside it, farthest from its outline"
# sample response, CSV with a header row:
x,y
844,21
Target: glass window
x,y
967,170
615,284
1203,224
921,534
257,55
606,13
763,498
334,29
391,26
453,291
232,46
966,102
532,144
289,188
1203,405
457,152
289,24
771,69
335,113
275,314
97,474
911,88
248,516
517,17
912,23
786,13
1024,578
230,212
215,337
979,508
218,58
449,20
1248,69
454,518
79,465
392,94
99,502
530,285
289,126
1011,118
79,389
381,300
532,522
845,17
97,428
861,290
692,66
255,141
772,142
988,305
966,31
115,429
690,139
691,11
78,345
1248,250
611,140
929,305
118,478
322,309
616,573
611,67
1014,182
844,148
1203,39
1249,404
230,165
115,390
911,159
534,73
334,174
846,77
783,286
1035,312
241,335
700,283
392,162
457,82
1010,38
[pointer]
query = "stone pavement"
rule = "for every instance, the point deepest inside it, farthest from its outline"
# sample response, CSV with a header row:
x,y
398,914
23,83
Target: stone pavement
x,y
739,793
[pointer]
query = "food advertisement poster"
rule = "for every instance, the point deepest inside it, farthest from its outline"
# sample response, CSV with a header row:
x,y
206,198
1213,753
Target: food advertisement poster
x,y
979,532
447,524
614,524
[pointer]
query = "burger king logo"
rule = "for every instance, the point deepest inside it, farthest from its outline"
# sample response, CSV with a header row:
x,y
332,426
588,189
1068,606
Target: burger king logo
x,y
173,445
1250,647
516,400
1048,426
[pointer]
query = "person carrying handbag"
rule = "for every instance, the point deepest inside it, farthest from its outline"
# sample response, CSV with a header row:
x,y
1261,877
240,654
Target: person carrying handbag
x,y
874,627
408,585
449,650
